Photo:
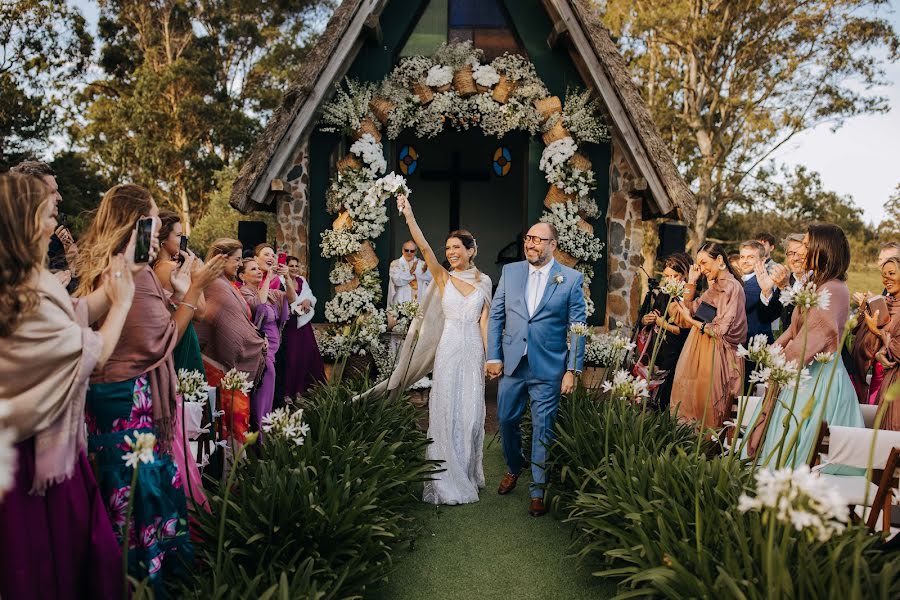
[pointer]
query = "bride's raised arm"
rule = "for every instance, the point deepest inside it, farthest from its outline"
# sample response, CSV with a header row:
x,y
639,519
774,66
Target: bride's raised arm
x,y
438,272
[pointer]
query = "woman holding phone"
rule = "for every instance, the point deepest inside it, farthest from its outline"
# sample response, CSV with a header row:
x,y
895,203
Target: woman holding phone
x,y
134,392
709,374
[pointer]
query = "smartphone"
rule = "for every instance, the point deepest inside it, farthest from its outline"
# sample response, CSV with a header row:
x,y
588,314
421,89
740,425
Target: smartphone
x,y
282,258
182,248
878,303
143,240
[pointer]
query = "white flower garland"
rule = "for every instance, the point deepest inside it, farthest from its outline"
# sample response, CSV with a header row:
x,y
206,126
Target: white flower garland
x,y
371,153
557,153
485,75
439,76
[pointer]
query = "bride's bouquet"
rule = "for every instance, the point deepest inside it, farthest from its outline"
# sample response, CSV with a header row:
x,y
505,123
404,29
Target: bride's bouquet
x,y
389,186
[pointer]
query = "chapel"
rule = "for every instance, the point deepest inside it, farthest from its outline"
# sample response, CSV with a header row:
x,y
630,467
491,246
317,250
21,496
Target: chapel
x,y
464,176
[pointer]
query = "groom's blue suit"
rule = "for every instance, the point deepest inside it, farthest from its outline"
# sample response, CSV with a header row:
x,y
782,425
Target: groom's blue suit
x,y
535,354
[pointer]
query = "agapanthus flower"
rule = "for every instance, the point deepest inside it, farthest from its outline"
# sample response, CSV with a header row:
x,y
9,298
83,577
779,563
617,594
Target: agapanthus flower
x,y
757,350
141,449
806,295
192,386
823,357
237,381
627,387
286,424
579,329
673,287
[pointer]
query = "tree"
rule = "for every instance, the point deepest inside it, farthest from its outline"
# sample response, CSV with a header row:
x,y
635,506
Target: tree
x,y
81,188
45,47
889,228
728,82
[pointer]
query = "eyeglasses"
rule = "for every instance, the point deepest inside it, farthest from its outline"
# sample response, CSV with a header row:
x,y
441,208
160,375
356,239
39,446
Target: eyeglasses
x,y
793,254
407,251
534,239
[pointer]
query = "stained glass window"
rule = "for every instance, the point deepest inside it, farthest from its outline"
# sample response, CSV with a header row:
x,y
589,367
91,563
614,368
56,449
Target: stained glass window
x,y
408,159
502,162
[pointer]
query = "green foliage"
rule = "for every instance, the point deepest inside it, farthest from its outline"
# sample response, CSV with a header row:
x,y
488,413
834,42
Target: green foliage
x,y
321,519
81,188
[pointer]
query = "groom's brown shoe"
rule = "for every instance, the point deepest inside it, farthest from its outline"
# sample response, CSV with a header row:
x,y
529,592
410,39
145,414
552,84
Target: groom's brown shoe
x,y
537,507
508,484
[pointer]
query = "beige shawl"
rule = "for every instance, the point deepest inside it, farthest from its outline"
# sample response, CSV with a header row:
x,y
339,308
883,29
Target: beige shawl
x,y
44,369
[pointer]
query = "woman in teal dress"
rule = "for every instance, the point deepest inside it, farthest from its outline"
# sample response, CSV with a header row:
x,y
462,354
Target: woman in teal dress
x,y
134,392
816,331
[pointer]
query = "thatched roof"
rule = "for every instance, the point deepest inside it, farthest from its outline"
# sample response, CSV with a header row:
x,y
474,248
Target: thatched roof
x,y
336,49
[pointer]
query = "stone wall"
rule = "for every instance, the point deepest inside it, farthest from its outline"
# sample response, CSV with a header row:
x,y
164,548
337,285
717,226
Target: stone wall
x,y
625,240
292,214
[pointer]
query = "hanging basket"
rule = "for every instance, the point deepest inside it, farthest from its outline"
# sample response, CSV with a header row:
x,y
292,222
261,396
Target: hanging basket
x,y
585,226
556,196
444,88
593,377
347,286
349,162
367,125
504,89
557,132
564,258
381,108
482,88
548,107
423,92
464,83
581,162
343,221
363,259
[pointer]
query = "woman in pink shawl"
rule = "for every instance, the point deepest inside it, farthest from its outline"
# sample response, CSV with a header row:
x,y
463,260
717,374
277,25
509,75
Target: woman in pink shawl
x,y
55,536
709,373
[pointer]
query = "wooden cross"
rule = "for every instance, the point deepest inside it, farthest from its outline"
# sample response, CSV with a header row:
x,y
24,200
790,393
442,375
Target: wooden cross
x,y
455,175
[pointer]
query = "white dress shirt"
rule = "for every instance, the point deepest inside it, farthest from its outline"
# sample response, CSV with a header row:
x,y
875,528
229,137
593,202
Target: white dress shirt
x,y
537,283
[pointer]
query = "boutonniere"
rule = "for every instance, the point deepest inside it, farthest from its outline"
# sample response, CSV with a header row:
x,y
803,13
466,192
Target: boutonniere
x,y
558,279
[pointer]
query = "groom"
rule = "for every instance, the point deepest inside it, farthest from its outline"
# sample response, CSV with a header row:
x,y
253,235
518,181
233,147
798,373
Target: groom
x,y
535,302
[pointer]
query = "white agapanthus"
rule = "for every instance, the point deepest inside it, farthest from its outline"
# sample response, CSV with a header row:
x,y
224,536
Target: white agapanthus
x,y
438,76
371,153
341,273
627,387
485,75
799,498
557,153
237,381
7,460
757,350
286,424
579,329
607,349
192,386
806,295
823,357
673,287
141,449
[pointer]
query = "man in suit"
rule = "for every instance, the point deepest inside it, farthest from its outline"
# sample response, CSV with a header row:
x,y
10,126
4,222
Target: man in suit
x,y
752,256
779,278
535,303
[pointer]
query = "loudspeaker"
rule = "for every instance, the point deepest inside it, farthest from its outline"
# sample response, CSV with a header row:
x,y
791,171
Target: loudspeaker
x,y
672,239
251,233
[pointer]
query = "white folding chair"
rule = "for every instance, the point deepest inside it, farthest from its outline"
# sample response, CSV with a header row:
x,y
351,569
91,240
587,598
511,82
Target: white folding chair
x,y
868,412
749,404
851,447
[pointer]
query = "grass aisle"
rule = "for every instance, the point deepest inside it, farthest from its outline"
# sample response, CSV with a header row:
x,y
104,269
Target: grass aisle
x,y
490,549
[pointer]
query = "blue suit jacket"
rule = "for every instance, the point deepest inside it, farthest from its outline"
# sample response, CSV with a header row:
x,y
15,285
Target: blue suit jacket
x,y
756,318
546,332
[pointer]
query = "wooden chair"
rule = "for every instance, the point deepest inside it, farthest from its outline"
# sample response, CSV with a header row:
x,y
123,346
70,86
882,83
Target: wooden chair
x,y
732,433
851,446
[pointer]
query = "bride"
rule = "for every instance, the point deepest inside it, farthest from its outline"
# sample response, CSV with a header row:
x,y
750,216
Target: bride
x,y
456,405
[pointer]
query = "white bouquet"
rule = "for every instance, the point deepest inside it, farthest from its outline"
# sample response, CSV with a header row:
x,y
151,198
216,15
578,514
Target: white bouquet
x,y
347,305
237,381
389,186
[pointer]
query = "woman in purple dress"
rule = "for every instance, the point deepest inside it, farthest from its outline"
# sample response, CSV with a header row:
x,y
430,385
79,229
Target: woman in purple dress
x,y
304,366
56,540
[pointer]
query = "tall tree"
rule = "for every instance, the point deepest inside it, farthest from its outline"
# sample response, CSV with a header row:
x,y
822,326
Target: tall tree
x,y
44,47
730,81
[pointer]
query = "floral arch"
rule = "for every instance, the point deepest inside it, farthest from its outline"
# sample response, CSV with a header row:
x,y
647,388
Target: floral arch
x,y
451,88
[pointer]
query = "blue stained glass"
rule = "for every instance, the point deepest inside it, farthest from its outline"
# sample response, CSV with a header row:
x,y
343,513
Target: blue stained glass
x,y
476,13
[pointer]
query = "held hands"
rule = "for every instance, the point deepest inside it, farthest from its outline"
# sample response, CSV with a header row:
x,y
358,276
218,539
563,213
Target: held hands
x,y
65,236
305,307
568,383
882,355
694,274
493,370
684,310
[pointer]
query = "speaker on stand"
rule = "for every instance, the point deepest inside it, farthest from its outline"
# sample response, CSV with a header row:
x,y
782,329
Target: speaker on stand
x,y
672,239
251,233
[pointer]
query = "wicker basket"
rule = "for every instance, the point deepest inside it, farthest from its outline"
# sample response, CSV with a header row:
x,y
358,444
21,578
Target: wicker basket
x,y
363,259
585,226
556,196
482,88
504,89
444,88
464,83
564,258
423,92
548,107
419,398
347,286
381,108
367,125
343,221
593,377
349,162
580,162
557,132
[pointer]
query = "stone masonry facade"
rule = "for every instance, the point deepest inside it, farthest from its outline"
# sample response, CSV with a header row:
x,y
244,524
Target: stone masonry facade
x,y
292,212
625,241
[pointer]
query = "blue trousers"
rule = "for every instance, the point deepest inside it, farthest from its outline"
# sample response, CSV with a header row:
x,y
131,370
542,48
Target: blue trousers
x,y
514,391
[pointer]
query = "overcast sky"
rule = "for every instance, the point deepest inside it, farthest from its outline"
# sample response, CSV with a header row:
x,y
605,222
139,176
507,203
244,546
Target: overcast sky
x,y
859,160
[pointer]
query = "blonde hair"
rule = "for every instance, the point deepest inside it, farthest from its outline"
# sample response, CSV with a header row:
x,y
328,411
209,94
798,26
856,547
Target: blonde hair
x,y
108,233
23,248
226,246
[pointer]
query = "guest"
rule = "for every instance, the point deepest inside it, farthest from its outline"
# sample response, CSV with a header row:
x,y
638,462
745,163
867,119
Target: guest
x,y
409,276
270,312
187,353
228,338
676,267
134,392
708,375
55,536
304,366
815,331
269,260
781,278
752,259
768,243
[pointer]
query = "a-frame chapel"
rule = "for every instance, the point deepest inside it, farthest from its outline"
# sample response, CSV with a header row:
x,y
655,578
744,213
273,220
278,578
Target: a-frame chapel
x,y
463,176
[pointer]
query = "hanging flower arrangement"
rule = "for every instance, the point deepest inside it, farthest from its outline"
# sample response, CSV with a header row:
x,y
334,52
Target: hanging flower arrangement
x,y
452,88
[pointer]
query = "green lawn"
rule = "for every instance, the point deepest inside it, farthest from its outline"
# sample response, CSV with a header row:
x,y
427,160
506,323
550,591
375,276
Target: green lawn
x,y
864,279
491,549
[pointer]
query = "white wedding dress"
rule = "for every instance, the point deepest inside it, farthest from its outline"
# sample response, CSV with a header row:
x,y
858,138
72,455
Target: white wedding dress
x,y
456,404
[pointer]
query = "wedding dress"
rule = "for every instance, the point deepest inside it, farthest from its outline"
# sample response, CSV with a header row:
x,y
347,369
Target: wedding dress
x,y
456,405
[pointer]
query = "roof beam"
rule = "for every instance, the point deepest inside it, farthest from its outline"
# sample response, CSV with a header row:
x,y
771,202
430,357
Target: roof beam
x,y
335,68
561,12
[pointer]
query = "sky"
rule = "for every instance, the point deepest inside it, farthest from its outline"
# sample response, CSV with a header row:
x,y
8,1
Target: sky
x,y
859,160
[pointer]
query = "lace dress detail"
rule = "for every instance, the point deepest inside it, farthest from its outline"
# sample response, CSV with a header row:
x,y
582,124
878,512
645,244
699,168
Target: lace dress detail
x,y
456,405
